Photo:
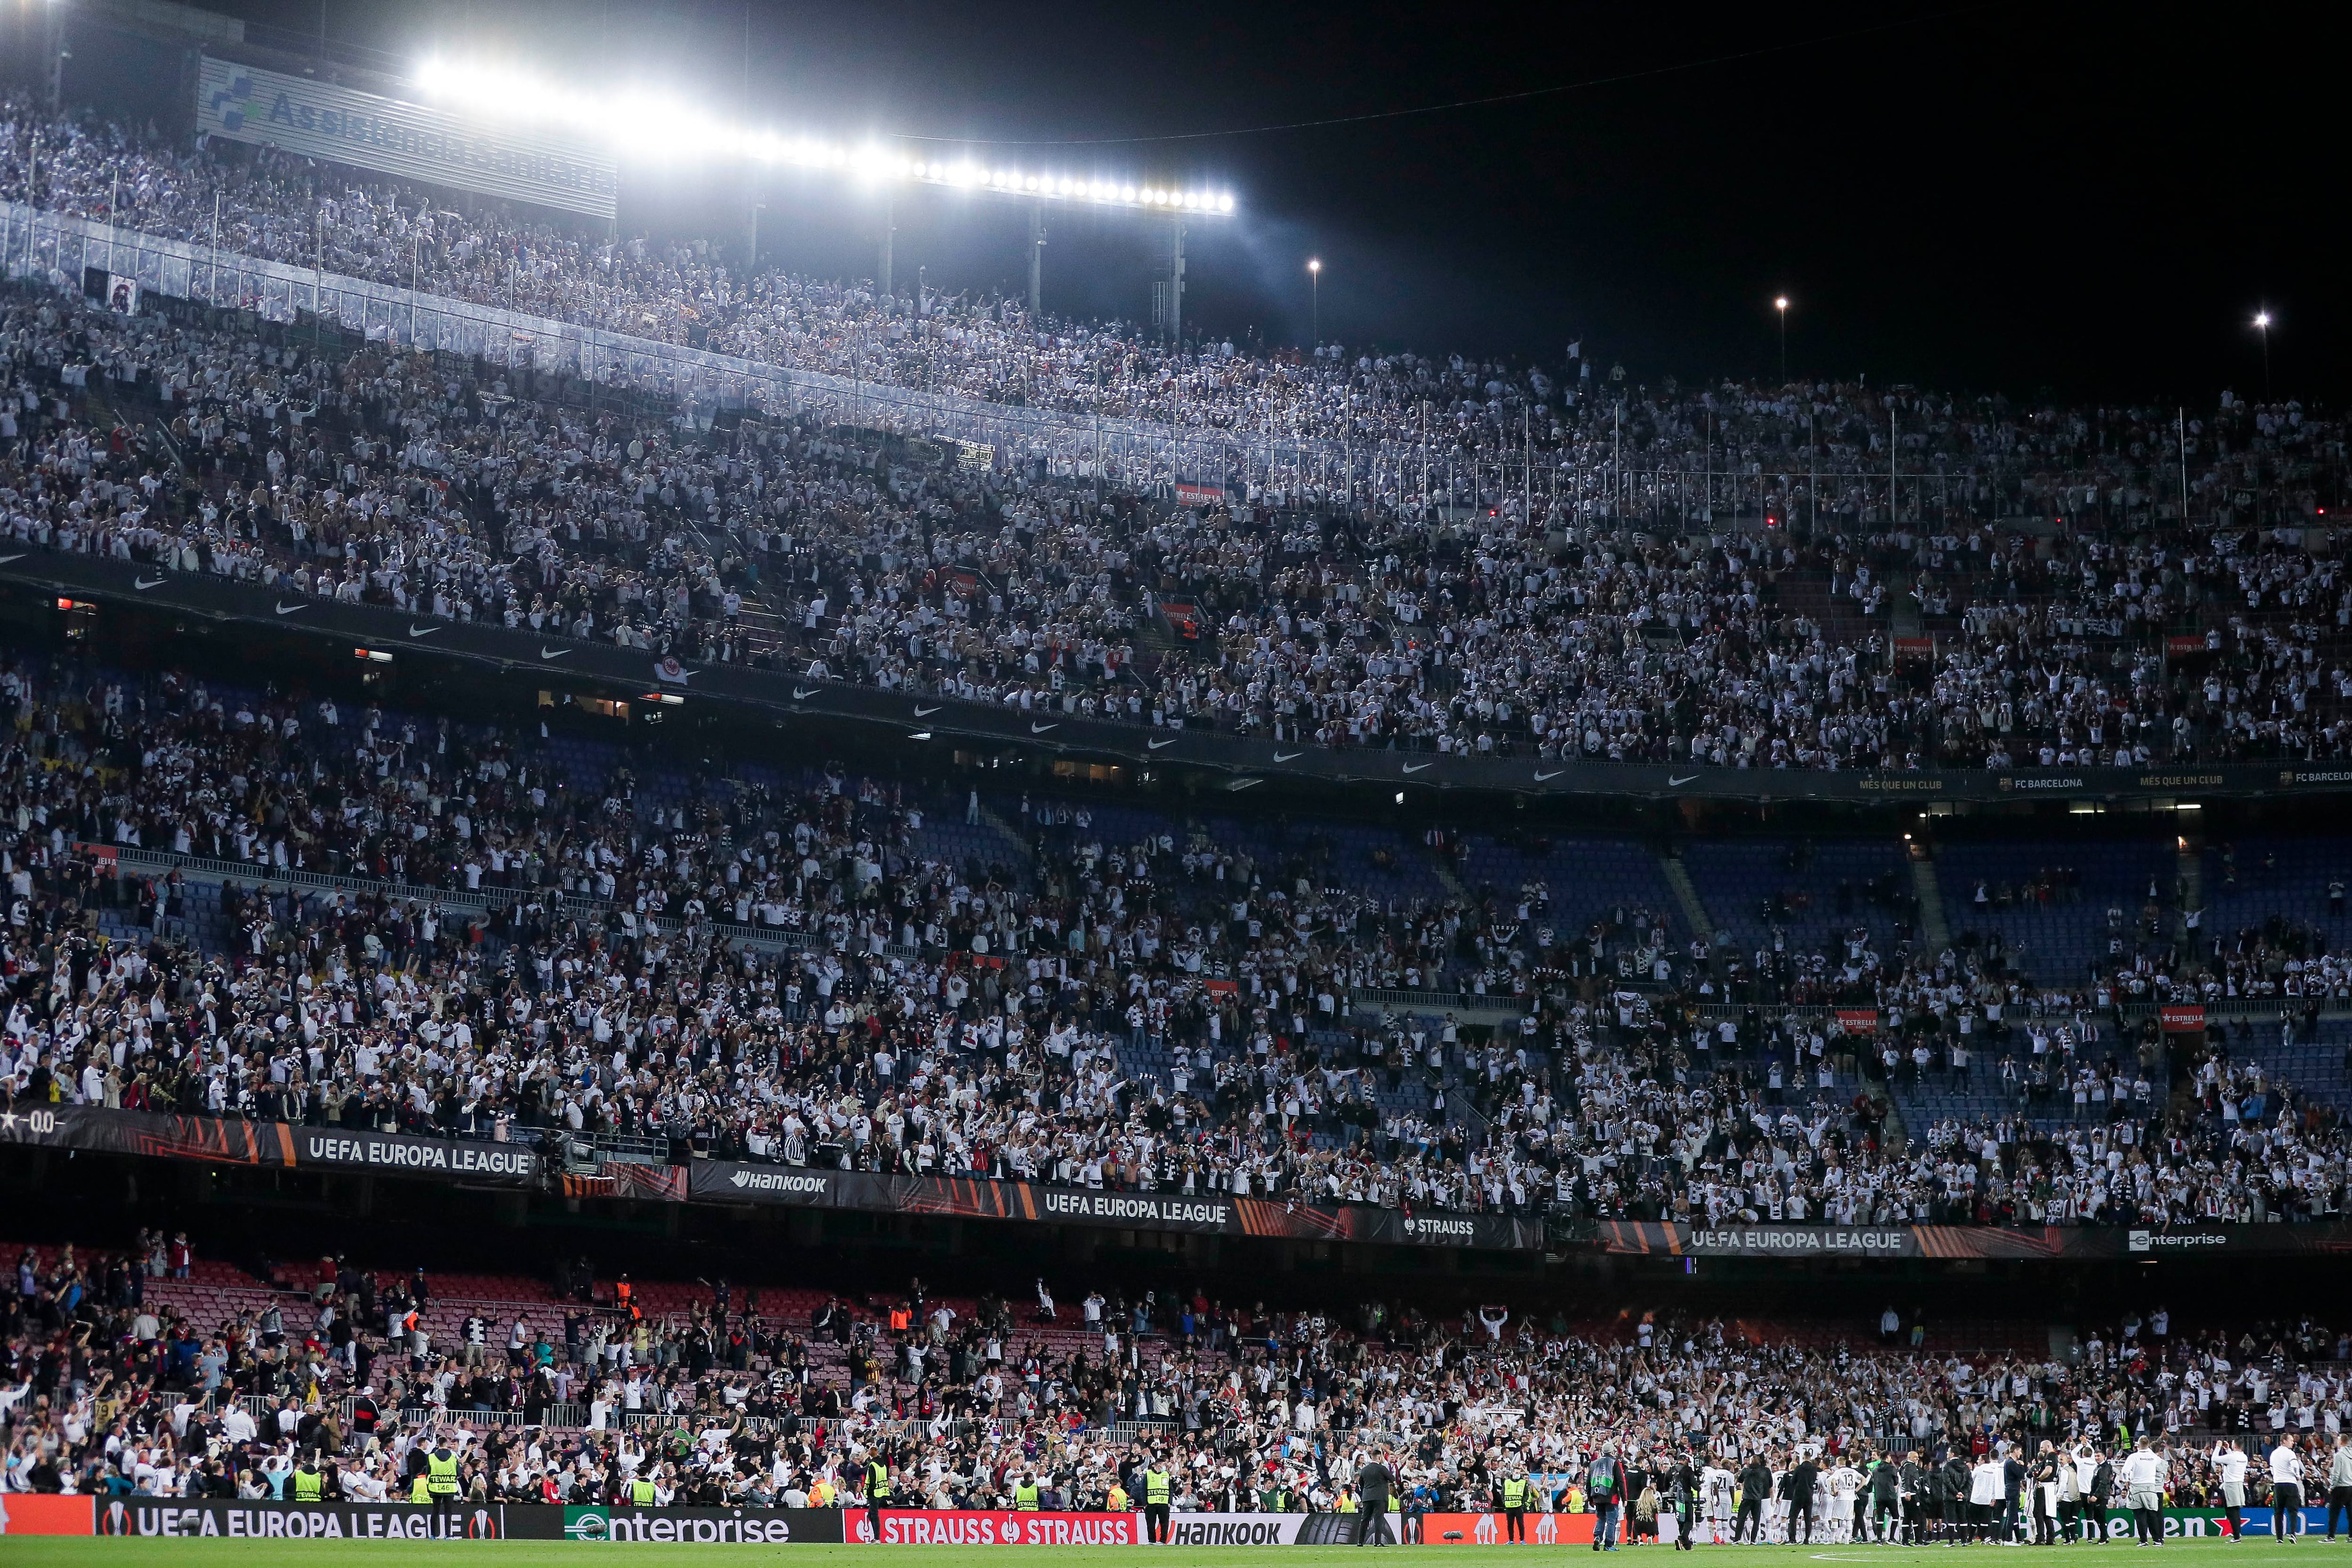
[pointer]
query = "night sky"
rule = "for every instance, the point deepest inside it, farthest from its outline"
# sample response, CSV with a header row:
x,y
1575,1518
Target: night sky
x,y
2083,200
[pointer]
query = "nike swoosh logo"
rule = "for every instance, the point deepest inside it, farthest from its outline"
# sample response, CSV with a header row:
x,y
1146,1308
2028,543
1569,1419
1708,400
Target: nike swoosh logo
x,y
1239,785
801,696
427,632
1287,756
1155,745
1036,728
6,559
141,584
291,609
1416,767
1674,783
926,713
546,652
1553,775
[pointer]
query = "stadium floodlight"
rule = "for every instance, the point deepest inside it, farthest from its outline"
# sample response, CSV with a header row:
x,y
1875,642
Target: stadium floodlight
x,y
653,127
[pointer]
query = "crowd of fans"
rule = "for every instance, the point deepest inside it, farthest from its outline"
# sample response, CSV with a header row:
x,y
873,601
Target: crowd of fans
x,y
801,969
1244,1410
1146,1009
2059,627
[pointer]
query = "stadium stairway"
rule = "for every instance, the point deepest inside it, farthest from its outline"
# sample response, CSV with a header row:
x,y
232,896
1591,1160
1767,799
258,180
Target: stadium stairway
x,y
1932,924
1693,909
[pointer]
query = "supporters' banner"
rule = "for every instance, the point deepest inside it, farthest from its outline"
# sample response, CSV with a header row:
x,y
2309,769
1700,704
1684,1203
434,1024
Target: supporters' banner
x,y
232,1142
2181,1020
692,1526
1494,1530
1965,1240
319,120
31,1513
171,1518
1212,1214
960,1527
623,1179
112,289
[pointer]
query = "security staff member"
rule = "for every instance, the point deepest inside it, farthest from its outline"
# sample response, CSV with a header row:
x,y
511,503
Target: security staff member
x,y
644,1490
307,1485
877,1493
1157,1490
1024,1496
441,1481
1513,1495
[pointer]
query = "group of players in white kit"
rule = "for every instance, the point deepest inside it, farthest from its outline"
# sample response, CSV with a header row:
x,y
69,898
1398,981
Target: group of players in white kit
x,y
2005,1496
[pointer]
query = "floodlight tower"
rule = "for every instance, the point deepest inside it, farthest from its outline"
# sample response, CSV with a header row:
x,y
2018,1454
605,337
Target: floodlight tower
x,y
1036,257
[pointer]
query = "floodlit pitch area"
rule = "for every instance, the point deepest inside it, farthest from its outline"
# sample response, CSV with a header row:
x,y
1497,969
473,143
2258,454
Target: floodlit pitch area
x,y
30,1552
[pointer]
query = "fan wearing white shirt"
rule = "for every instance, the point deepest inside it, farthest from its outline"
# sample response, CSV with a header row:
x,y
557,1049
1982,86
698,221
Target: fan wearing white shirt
x,y
2287,1491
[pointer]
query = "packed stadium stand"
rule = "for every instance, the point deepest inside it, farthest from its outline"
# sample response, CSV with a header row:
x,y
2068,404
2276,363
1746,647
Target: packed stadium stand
x,y
256,892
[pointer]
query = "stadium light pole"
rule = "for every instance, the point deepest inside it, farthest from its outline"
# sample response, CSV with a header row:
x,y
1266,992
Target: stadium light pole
x,y
1315,301
1176,288
1781,305
2263,325
1036,257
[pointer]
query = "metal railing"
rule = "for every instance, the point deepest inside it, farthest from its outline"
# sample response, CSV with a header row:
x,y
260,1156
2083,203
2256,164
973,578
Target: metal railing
x,y
35,243
1593,480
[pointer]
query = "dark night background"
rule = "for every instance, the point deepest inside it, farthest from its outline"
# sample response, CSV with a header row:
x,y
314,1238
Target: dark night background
x,y
2089,200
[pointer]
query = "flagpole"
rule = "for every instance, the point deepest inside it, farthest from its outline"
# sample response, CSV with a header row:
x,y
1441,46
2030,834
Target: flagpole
x,y
2181,414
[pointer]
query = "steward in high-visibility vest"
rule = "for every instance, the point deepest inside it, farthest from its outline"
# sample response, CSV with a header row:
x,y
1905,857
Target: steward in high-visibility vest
x,y
307,1483
1117,1500
1514,1508
1024,1496
1157,1492
878,1495
441,1488
642,1492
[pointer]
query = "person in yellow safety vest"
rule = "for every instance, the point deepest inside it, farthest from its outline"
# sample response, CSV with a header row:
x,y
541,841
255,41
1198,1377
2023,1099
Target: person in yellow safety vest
x,y
821,1494
1514,1497
1158,1492
877,1494
1024,1496
1347,1503
441,1481
422,1491
308,1483
645,1491
1116,1501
